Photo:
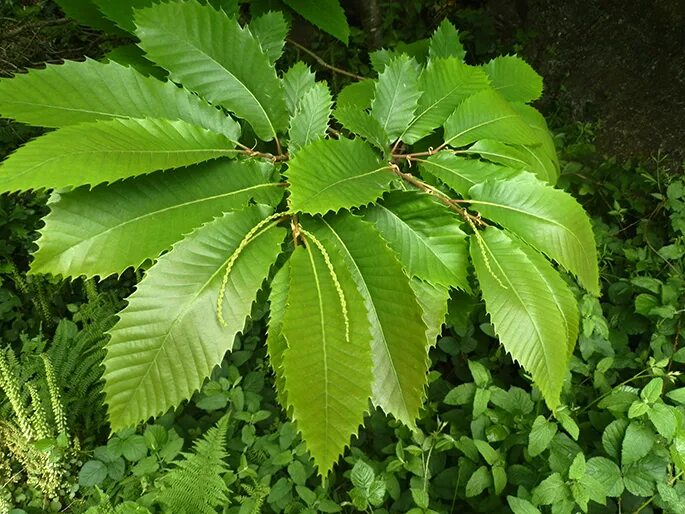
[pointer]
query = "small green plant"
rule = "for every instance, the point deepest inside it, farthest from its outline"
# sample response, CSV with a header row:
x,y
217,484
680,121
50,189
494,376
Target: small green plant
x,y
361,230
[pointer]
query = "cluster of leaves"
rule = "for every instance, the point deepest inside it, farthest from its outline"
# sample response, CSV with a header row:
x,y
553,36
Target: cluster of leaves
x,y
372,252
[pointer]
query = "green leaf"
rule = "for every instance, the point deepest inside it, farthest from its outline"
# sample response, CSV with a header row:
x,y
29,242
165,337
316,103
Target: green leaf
x,y
652,391
578,466
310,122
481,375
363,124
517,157
399,347
275,342
132,56
537,122
478,482
671,498
521,506
607,473
77,92
641,477
548,219
445,42
514,78
362,475
211,54
109,150
296,82
612,437
541,435
327,365
358,95
664,419
87,13
109,228
270,29
551,490
170,328
433,301
490,455
486,115
677,395
425,235
637,443
445,84
499,479
396,96
461,174
328,15
334,174
92,473
523,309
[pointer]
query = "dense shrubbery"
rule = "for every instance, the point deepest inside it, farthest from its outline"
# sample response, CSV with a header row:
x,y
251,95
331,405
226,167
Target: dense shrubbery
x,y
486,442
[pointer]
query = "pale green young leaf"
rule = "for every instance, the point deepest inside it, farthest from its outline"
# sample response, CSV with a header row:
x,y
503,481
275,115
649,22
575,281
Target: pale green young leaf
x,y
426,236
514,78
333,174
275,342
460,174
310,122
548,219
529,158
327,364
486,115
270,29
176,303
396,96
445,84
76,92
357,95
328,15
399,347
521,506
107,150
478,482
213,55
445,42
522,309
551,490
296,82
363,124
433,301
106,229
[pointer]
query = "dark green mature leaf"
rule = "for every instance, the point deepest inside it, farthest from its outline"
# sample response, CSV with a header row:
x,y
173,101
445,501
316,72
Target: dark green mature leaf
x,y
87,13
548,219
363,124
328,15
399,347
396,96
296,82
270,29
335,174
310,122
461,174
358,95
445,84
486,115
526,315
327,365
121,11
637,443
426,236
275,342
211,54
107,150
530,158
76,92
176,303
514,78
607,473
445,42
109,228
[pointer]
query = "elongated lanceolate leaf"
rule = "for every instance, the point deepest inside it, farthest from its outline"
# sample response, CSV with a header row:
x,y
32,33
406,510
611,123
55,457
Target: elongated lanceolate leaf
x,y
211,54
76,92
328,15
87,13
399,347
537,122
334,174
270,29
523,310
168,339
105,151
461,174
121,11
425,235
518,157
296,82
548,219
486,115
327,364
109,228
445,84
514,78
310,122
445,42
433,301
363,124
396,96
275,342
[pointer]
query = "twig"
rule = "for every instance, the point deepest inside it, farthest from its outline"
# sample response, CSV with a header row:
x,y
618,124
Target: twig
x,y
36,26
324,63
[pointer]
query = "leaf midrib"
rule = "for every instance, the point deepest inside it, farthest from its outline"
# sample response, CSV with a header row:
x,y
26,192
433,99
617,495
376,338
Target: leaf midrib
x,y
345,179
479,125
